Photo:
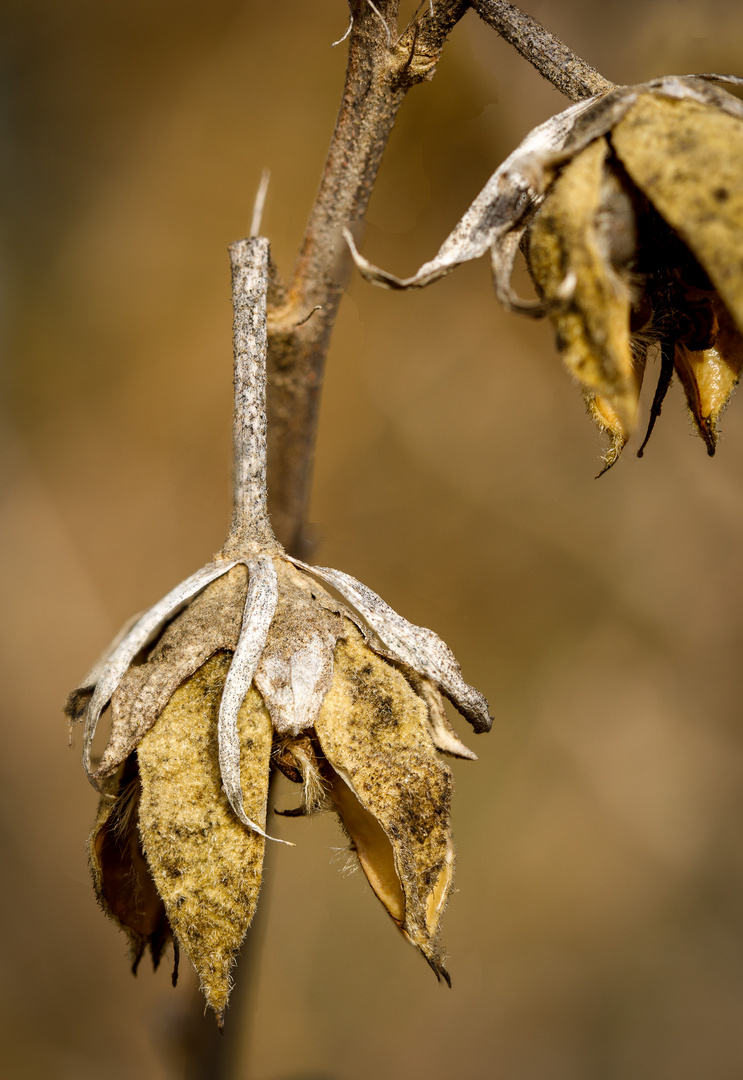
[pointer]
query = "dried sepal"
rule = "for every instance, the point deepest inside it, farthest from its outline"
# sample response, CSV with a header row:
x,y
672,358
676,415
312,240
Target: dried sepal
x,y
373,732
419,648
205,863
504,204
144,630
123,884
260,605
443,735
709,376
211,622
686,159
567,238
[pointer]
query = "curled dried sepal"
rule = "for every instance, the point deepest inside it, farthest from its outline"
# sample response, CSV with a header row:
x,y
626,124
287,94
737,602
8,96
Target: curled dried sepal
x,y
211,622
205,863
419,648
391,786
504,204
109,674
260,605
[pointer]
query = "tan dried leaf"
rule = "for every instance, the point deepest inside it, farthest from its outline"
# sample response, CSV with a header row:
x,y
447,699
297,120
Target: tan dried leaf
x,y
568,237
206,864
686,157
373,731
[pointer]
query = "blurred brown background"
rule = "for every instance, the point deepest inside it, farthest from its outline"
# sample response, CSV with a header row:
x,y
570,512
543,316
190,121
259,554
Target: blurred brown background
x,y
597,930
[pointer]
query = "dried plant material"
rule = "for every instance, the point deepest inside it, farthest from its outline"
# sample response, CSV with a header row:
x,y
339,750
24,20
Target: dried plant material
x,y
709,376
206,864
210,623
420,649
567,239
373,732
122,878
624,203
685,156
250,664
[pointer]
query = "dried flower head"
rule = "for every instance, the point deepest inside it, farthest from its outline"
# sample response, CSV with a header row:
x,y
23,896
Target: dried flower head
x,y
630,210
253,664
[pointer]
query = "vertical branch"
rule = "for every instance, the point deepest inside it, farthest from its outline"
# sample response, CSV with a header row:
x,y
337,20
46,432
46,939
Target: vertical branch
x,y
381,69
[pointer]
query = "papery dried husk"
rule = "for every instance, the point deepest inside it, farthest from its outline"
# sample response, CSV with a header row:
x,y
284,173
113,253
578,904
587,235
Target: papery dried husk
x,y
206,864
709,376
569,239
686,158
122,879
391,789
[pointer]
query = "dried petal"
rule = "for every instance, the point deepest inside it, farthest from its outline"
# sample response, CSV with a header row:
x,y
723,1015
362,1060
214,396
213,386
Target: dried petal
x,y
143,631
260,605
569,236
421,649
373,731
709,376
206,864
212,622
686,158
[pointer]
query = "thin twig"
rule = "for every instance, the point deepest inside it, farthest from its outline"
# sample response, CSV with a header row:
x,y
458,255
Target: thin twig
x,y
553,59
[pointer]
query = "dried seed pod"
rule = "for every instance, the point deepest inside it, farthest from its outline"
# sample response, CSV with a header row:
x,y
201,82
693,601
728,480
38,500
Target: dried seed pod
x,y
249,663
623,203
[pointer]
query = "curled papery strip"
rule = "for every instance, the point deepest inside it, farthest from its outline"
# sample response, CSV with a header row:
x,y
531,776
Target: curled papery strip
x,y
141,634
260,605
498,216
421,649
512,191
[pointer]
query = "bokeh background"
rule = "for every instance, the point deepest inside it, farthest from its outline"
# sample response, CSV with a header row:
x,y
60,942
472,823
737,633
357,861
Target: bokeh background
x,y
597,928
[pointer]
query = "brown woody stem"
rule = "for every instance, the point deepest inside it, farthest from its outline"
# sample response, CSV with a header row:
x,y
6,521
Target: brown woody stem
x,y
381,69
572,76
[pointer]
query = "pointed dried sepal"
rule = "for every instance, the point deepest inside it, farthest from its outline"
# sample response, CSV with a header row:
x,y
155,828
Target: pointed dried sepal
x,y
210,623
569,238
373,731
122,880
142,633
419,648
206,864
686,158
709,376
